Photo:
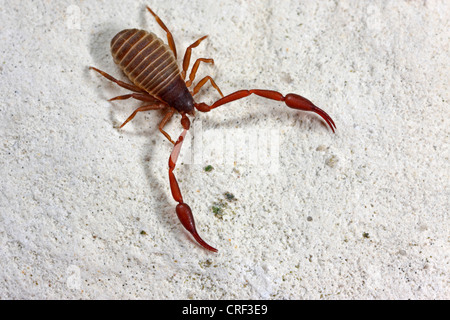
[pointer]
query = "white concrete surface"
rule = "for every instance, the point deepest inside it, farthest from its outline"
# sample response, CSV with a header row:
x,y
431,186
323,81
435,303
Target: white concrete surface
x,y
86,211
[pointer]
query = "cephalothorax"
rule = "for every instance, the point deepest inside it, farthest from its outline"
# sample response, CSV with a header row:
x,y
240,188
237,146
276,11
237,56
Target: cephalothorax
x,y
152,67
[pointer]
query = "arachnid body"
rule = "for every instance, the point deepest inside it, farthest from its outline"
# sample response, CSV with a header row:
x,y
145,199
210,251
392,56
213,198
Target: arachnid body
x,y
152,67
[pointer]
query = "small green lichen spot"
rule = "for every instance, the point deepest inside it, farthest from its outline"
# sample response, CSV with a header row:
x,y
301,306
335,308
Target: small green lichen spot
x,y
208,168
229,196
216,210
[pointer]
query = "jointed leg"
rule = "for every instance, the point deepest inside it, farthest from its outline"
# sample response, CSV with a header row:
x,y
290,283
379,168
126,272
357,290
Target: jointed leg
x,y
202,82
187,56
143,108
164,121
292,101
195,68
138,96
169,34
125,85
186,61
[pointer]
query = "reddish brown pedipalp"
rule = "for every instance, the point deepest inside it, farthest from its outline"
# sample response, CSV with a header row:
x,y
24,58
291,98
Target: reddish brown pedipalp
x,y
183,210
292,100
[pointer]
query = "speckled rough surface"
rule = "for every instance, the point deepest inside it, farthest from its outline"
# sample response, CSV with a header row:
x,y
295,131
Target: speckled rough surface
x,y
86,210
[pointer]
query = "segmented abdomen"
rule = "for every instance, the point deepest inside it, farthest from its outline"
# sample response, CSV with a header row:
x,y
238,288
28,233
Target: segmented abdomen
x,y
147,61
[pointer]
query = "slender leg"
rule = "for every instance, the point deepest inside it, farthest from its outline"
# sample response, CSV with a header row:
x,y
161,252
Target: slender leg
x,y
187,56
292,101
169,34
125,85
143,108
195,68
164,121
183,210
138,96
202,82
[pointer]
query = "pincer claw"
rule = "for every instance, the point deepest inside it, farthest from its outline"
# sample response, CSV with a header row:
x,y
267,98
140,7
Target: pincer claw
x,y
184,213
295,101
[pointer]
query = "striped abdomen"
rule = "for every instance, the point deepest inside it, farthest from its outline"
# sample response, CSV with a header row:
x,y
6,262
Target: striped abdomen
x,y
151,65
